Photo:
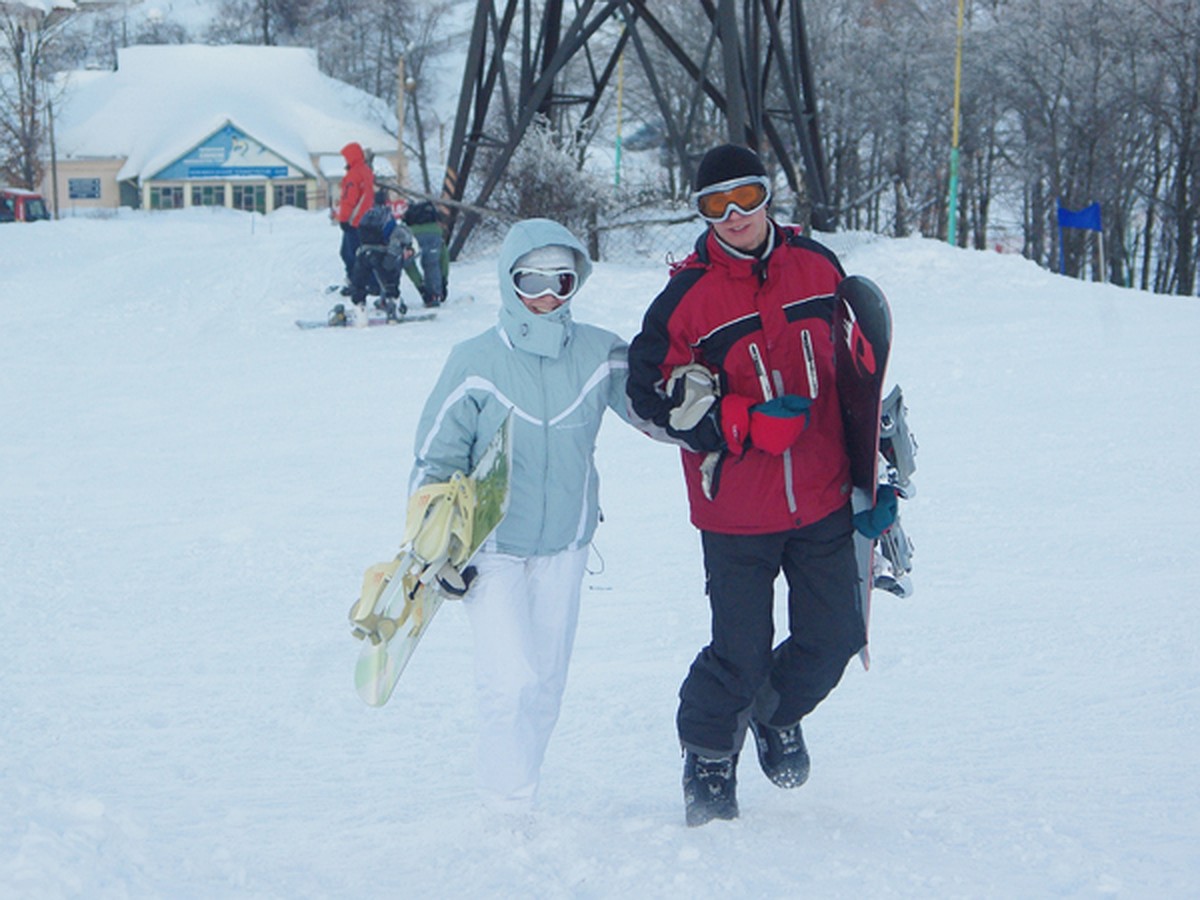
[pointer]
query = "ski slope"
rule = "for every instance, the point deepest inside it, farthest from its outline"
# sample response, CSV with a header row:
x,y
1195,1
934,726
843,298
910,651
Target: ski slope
x,y
191,487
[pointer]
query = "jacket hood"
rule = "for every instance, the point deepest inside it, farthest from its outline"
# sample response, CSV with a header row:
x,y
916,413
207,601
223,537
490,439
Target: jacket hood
x,y
546,334
353,153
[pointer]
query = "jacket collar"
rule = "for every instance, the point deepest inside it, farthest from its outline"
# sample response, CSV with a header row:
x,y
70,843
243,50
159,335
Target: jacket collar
x,y
539,335
712,251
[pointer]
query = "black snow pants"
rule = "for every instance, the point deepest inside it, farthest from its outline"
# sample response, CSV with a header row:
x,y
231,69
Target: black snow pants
x,y
739,674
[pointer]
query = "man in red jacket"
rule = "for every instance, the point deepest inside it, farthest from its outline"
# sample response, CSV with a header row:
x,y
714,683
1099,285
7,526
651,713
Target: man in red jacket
x,y
734,362
358,195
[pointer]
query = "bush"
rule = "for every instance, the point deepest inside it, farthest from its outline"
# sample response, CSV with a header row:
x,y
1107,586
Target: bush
x,y
545,179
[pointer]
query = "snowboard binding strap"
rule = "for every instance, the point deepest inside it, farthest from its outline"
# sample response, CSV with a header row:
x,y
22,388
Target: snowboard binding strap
x,y
437,538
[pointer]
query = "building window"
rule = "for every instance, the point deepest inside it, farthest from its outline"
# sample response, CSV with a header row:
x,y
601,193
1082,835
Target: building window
x,y
250,197
166,197
291,195
208,195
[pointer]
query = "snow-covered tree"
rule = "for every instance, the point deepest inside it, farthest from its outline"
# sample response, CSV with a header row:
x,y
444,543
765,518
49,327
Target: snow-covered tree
x,y
30,31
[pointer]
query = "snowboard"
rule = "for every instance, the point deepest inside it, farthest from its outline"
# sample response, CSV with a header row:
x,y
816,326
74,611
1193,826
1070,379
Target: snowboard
x,y
399,599
372,321
862,331
450,299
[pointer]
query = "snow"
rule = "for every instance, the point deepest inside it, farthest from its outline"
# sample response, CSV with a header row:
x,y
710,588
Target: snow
x,y
191,488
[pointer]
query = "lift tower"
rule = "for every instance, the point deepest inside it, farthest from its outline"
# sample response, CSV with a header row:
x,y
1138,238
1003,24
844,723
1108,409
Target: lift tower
x,y
755,69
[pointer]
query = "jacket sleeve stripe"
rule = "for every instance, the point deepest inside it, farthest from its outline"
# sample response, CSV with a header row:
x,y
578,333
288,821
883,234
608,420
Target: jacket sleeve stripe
x,y
471,383
598,377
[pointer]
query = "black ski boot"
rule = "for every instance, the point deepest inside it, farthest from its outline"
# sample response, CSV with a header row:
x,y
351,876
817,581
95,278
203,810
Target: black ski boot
x,y
392,307
709,788
781,753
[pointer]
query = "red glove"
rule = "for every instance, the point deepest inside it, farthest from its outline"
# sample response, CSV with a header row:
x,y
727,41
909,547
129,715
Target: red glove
x,y
777,424
735,422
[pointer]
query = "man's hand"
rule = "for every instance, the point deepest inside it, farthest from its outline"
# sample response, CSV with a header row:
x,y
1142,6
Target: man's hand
x,y
693,390
701,417
879,518
777,424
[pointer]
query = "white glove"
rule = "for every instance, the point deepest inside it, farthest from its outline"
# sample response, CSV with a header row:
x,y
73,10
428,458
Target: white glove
x,y
693,390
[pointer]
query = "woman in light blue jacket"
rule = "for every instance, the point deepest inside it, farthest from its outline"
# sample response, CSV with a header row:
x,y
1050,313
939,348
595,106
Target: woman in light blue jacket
x,y
555,377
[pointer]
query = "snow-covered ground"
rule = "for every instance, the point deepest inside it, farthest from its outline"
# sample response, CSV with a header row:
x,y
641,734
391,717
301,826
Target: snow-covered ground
x,y
190,488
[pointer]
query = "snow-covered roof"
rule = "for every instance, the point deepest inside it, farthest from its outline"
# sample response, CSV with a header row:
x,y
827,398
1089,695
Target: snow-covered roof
x,y
162,100
43,7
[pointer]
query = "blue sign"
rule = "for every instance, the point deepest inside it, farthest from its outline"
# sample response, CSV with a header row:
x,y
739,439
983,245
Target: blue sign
x,y
237,172
228,153
1087,218
83,188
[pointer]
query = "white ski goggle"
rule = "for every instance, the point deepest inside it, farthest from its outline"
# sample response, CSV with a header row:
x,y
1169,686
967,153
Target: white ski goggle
x,y
561,283
747,195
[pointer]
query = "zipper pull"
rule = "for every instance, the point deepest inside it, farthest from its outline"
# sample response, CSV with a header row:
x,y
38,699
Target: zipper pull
x,y
810,363
761,370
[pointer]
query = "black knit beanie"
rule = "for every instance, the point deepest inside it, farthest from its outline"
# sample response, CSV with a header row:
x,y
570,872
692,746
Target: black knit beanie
x,y
725,163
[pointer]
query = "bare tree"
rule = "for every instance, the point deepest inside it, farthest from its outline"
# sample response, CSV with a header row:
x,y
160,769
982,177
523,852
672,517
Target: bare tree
x,y
28,42
265,22
1175,25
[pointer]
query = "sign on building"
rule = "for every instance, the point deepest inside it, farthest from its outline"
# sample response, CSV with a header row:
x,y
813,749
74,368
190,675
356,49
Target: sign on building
x,y
227,153
83,188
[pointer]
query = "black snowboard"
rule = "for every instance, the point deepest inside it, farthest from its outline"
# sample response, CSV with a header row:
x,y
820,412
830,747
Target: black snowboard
x,y
862,329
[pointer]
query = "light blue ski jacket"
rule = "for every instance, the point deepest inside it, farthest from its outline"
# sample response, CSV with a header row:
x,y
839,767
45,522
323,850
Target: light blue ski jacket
x,y
556,376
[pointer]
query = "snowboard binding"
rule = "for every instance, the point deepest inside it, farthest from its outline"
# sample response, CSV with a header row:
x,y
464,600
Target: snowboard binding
x,y
892,561
393,307
897,444
437,542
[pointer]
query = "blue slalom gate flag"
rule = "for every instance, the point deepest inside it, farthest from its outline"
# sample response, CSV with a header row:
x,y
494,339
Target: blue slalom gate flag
x,y
1087,218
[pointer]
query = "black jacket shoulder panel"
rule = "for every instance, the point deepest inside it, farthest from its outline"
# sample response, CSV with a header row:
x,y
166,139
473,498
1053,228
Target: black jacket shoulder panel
x,y
653,343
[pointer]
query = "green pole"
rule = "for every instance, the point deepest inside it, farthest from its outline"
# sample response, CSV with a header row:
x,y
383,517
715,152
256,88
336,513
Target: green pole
x,y
620,109
952,224
952,213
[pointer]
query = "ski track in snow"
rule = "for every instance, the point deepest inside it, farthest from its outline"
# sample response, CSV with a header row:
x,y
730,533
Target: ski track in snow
x,y
191,488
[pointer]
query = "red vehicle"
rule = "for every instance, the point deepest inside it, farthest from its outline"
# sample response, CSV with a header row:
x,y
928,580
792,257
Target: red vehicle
x,y
17,205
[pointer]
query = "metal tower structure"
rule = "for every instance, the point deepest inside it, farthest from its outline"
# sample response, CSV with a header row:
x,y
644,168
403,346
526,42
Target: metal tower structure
x,y
756,54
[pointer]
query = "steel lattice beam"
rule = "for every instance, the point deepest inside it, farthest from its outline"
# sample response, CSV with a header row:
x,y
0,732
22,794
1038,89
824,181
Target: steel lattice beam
x,y
762,50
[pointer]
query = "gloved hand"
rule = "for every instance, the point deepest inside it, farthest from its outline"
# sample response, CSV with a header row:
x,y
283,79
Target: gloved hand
x,y
724,426
453,582
701,417
693,391
875,521
696,415
776,424
735,422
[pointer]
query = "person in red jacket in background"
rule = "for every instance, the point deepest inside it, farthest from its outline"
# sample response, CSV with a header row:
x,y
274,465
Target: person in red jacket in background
x,y
734,362
358,195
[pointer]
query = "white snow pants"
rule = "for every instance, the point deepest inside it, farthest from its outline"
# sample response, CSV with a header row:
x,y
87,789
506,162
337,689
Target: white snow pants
x,y
523,614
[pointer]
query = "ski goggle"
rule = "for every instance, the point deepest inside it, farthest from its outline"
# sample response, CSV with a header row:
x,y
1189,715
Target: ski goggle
x,y
562,283
746,195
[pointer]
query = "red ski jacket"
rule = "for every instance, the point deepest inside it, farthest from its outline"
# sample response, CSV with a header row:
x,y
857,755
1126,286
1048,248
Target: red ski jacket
x,y
713,309
358,186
